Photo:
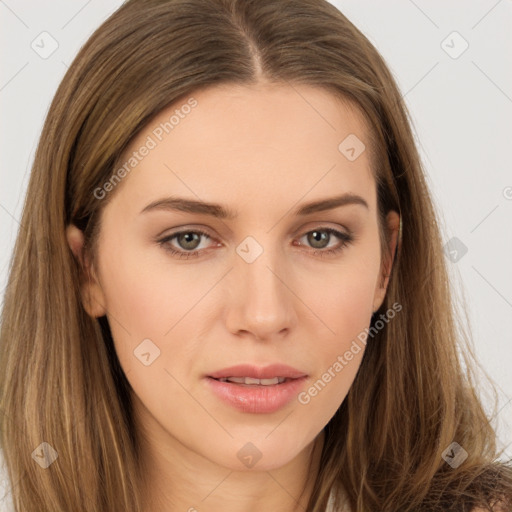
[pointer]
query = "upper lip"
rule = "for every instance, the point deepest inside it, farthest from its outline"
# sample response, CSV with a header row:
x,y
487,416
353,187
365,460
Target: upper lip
x,y
258,372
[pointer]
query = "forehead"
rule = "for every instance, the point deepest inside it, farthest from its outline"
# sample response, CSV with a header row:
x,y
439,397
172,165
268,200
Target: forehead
x,y
264,143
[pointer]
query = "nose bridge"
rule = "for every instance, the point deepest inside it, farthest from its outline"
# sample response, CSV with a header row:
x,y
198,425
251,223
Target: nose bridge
x,y
263,302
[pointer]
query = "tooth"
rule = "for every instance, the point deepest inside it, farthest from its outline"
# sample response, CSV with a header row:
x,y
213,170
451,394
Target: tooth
x,y
269,382
253,381
237,380
250,380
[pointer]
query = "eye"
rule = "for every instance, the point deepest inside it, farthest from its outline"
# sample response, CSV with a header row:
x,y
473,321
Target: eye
x,y
318,238
188,242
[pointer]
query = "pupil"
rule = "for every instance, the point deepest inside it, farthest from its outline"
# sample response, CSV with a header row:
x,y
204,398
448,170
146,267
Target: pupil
x,y
189,238
318,235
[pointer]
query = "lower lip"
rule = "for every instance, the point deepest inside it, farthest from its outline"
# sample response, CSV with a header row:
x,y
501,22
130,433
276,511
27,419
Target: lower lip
x,y
257,399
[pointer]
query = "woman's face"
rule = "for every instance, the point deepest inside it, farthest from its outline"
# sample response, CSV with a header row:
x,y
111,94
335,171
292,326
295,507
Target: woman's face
x,y
258,280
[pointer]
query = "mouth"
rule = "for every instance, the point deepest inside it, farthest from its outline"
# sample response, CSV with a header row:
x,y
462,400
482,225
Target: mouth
x,y
250,381
263,391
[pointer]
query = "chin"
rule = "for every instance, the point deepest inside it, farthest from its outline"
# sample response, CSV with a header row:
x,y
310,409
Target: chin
x,y
258,452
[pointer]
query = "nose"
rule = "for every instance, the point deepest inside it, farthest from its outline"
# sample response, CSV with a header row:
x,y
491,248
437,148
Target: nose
x,y
261,298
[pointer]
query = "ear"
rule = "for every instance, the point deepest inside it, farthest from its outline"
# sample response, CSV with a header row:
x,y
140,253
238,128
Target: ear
x,y
393,224
93,298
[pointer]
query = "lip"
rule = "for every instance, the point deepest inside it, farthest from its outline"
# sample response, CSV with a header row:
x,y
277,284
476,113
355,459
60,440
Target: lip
x,y
257,399
257,372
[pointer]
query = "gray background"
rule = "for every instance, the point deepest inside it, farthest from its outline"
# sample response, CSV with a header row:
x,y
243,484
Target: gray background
x,y
460,102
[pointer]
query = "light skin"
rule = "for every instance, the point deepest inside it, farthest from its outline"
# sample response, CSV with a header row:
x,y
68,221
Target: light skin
x,y
262,151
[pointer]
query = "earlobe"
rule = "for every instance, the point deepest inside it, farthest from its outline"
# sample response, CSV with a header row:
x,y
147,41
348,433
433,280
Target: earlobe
x,y
393,223
93,298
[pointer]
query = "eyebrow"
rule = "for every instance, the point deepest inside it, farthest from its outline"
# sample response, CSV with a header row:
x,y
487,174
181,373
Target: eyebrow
x,y
216,210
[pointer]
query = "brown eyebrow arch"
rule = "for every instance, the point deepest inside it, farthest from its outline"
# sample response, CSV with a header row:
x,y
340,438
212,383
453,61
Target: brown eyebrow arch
x,y
216,210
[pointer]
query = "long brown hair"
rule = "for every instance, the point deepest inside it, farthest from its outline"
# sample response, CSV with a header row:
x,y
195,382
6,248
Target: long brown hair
x,y
60,380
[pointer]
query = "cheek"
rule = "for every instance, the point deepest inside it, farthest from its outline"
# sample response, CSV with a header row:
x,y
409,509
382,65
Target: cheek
x,y
345,301
345,308
145,297
150,313
147,302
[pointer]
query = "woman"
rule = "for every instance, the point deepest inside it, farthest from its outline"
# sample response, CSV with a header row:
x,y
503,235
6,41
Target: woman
x,y
301,353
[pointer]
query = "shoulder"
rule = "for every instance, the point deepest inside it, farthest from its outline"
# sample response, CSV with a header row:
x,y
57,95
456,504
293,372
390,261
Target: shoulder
x,y
6,504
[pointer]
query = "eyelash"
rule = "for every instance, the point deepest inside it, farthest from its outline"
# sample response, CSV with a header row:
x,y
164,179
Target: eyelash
x,y
346,240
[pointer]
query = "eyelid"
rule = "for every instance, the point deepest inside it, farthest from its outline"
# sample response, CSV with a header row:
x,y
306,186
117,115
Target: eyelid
x,y
321,225
186,228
